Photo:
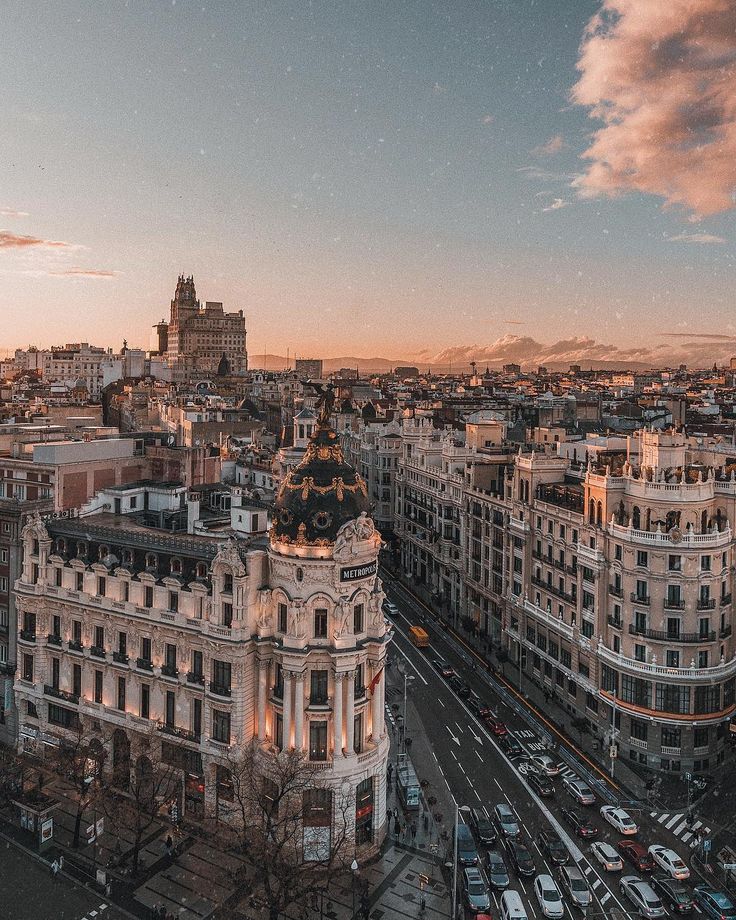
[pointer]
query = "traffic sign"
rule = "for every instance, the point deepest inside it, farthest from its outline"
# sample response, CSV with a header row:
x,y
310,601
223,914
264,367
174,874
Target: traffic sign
x,y
707,844
688,777
729,867
613,752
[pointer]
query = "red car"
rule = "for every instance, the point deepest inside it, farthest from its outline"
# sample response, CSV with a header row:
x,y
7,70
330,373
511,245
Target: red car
x,y
496,726
635,853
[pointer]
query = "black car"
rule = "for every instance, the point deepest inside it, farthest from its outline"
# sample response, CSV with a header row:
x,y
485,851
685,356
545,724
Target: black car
x,y
445,669
520,857
551,843
476,705
510,745
674,894
462,690
541,784
582,827
498,874
484,829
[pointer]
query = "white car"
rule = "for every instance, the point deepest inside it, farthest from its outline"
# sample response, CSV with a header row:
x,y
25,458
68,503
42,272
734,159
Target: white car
x,y
545,764
669,861
580,791
620,819
642,896
607,856
549,897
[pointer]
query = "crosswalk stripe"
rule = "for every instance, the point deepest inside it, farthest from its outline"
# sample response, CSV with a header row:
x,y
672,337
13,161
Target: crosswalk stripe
x,y
697,825
679,829
671,823
605,897
596,883
652,814
686,836
662,818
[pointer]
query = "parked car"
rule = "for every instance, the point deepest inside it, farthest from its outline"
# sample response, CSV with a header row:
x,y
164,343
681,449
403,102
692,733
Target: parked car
x,y
545,764
520,857
541,784
619,819
507,820
475,891
580,791
467,854
669,861
582,827
498,874
476,705
495,726
550,842
572,882
483,827
445,669
390,609
642,896
461,689
511,745
635,853
674,894
713,903
549,897
607,856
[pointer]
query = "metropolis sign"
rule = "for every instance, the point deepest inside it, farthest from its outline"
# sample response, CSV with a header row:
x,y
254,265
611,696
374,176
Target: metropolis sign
x,y
355,572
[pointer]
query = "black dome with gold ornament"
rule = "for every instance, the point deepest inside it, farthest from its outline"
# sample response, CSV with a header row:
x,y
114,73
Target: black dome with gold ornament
x,y
320,494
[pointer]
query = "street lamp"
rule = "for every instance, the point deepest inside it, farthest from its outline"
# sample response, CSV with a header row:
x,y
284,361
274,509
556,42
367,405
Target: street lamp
x,y
354,870
613,748
407,679
458,809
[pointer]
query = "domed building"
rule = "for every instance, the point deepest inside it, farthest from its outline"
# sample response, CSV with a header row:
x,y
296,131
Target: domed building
x,y
324,650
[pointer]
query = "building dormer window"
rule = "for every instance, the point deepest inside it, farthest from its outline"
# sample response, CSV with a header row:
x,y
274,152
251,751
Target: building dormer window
x,y
102,552
151,561
227,583
81,550
176,566
201,571
60,547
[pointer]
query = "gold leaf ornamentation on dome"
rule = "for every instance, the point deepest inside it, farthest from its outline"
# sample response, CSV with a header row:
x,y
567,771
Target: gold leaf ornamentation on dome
x,y
301,534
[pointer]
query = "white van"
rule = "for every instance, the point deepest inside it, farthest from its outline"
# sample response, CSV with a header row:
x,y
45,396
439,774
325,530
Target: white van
x,y
512,907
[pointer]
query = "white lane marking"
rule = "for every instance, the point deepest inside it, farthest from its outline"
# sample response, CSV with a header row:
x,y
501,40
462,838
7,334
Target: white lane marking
x,y
673,821
478,756
441,703
652,814
497,783
459,727
476,794
454,737
412,665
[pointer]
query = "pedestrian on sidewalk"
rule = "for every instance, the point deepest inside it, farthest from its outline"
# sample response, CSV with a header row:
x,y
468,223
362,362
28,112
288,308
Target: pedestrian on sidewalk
x,y
397,830
54,870
61,864
413,831
169,846
390,772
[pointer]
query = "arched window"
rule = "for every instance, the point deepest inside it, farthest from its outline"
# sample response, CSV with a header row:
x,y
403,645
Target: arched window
x,y
102,551
60,546
151,561
81,550
591,512
599,514
201,570
704,522
175,566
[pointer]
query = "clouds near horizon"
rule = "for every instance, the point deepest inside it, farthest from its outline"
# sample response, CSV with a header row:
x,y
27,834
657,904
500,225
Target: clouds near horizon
x,y
10,240
661,76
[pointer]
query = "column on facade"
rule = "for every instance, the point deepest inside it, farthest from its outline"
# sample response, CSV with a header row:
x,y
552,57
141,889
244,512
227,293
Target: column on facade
x,y
262,697
287,711
337,712
299,711
350,715
377,705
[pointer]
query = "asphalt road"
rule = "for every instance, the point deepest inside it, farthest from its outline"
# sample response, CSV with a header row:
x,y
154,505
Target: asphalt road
x,y
478,772
29,892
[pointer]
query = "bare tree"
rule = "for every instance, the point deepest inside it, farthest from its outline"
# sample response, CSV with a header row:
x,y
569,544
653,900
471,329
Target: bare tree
x,y
135,809
293,829
79,759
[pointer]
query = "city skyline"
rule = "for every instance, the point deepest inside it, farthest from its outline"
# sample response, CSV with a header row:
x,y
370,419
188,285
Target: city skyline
x,y
493,174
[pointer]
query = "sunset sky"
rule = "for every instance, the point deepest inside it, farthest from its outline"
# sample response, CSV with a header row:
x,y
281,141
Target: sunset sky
x,y
382,178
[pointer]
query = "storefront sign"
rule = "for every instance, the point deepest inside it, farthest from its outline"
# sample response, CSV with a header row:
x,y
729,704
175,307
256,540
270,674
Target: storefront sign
x,y
356,572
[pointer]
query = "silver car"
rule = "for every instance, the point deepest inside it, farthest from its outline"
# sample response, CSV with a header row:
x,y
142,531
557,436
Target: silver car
x,y
572,882
580,791
475,891
507,821
642,896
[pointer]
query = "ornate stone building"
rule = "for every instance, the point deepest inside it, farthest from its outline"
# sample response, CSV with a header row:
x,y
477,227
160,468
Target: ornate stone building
x,y
203,340
206,644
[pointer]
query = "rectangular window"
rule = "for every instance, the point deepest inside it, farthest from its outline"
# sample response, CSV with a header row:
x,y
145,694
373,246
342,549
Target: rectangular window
x,y
639,729
702,659
170,658
170,708
145,701
99,637
707,699
358,733
642,558
58,577
125,590
671,737
701,736
146,648
77,680
77,631
56,626
318,740
358,619
221,726
28,668
672,658
318,688
148,596
674,563
121,694
672,698
197,663
122,644
283,618
79,581
197,717
705,563
320,624
174,601
55,670
98,686
227,615
221,677
101,585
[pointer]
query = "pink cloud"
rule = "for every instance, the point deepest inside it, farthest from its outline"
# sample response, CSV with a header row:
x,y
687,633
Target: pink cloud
x,y
12,212
10,240
660,76
551,147
86,273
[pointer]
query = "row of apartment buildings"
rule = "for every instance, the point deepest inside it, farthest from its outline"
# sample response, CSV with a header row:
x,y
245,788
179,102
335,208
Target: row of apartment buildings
x,y
606,575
